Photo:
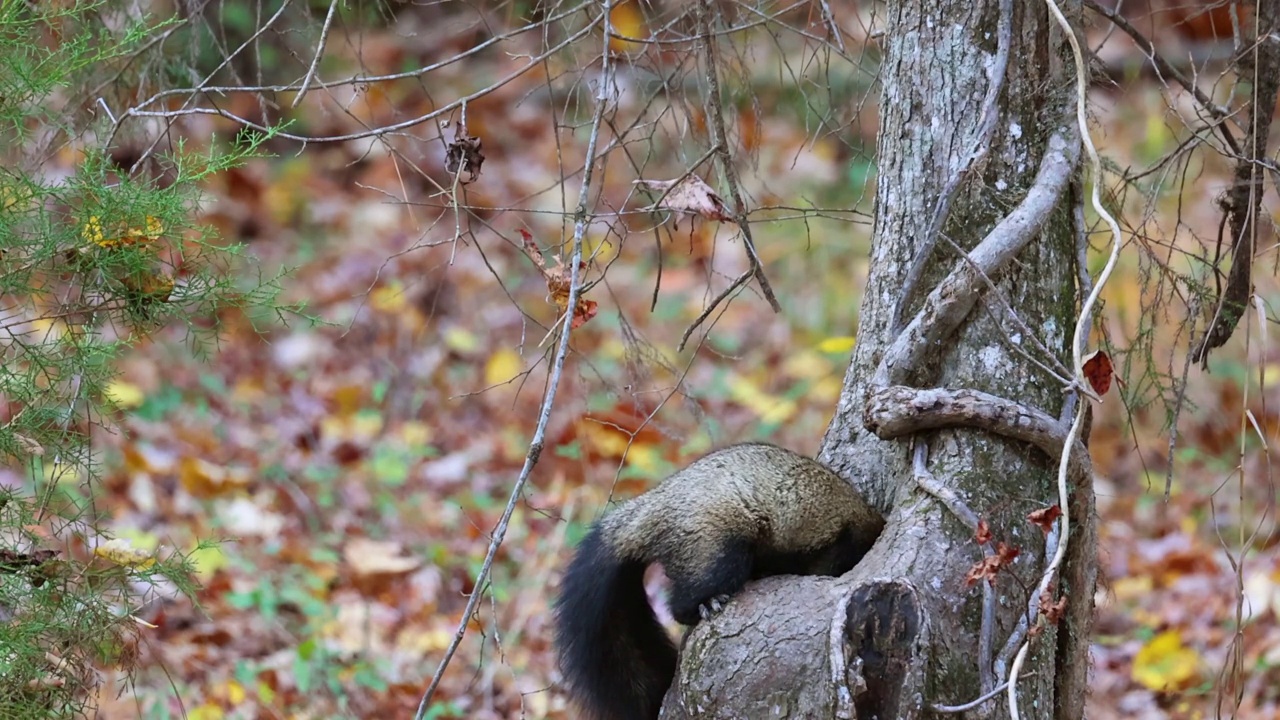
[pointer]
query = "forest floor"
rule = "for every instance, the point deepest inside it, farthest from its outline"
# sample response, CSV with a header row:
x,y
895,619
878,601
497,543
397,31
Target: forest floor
x,y
355,466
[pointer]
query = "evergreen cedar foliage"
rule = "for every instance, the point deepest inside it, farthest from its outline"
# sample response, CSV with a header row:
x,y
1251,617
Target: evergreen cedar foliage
x,y
744,512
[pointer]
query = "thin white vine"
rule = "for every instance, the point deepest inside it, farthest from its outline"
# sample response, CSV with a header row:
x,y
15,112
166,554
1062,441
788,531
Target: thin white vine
x,y
1083,323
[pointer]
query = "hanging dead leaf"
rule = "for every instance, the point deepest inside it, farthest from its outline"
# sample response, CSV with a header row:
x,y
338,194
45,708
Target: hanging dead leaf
x,y
147,288
987,567
29,445
983,532
1098,371
558,280
984,569
12,561
689,195
1052,610
464,154
1006,553
1044,518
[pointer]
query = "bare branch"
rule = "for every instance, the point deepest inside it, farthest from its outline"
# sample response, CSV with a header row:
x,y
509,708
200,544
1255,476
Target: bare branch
x,y
1244,203
533,63
1165,68
719,141
898,411
948,304
581,220
324,38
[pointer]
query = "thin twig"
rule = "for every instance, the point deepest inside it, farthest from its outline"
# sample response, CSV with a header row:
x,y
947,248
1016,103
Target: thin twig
x,y
1164,67
581,220
719,140
315,64
734,286
533,63
949,498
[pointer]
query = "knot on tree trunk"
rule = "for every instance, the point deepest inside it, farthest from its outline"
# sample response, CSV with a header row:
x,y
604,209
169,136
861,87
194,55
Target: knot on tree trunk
x,y
884,625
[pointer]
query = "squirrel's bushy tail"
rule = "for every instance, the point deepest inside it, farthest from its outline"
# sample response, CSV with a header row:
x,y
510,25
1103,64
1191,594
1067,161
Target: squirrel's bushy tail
x,y
617,660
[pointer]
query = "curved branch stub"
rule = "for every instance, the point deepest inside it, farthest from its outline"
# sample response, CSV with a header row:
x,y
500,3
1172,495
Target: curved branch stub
x,y
886,629
897,411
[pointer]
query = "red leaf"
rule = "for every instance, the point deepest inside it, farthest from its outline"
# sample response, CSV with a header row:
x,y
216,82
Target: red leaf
x,y
983,534
1044,518
1098,371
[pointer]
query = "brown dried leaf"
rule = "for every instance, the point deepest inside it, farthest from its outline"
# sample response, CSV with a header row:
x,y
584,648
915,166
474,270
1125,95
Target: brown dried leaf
x,y
1006,553
689,195
371,559
464,153
983,533
987,567
1044,518
558,280
1052,610
1098,371
984,569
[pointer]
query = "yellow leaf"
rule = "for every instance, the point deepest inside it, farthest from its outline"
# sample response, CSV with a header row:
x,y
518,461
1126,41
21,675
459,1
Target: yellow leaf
x,y
366,425
837,344
120,552
207,711
92,230
415,433
348,399
605,440
205,479
627,20
460,340
248,391
826,390
235,692
1132,588
645,456
377,558
612,348
423,642
389,298
1164,663
360,428
807,365
58,473
123,395
502,366
1271,374
265,693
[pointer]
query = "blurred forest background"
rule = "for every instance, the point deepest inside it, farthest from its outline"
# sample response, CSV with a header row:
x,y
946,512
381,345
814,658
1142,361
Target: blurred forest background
x,y
352,442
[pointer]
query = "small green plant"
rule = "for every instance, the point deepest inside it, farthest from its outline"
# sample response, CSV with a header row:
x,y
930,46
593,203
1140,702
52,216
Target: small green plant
x,y
94,255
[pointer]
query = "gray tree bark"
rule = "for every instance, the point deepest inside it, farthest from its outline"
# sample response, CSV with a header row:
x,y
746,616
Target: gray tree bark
x,y
944,419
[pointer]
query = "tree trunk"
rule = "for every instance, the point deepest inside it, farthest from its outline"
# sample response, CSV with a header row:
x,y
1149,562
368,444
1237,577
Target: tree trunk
x,y
945,399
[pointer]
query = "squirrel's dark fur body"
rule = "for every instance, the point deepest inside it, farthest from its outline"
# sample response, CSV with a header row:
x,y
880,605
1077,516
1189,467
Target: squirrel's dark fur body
x,y
740,513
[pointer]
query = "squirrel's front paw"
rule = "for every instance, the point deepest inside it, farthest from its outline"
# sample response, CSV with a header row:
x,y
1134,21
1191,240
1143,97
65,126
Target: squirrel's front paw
x,y
712,607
